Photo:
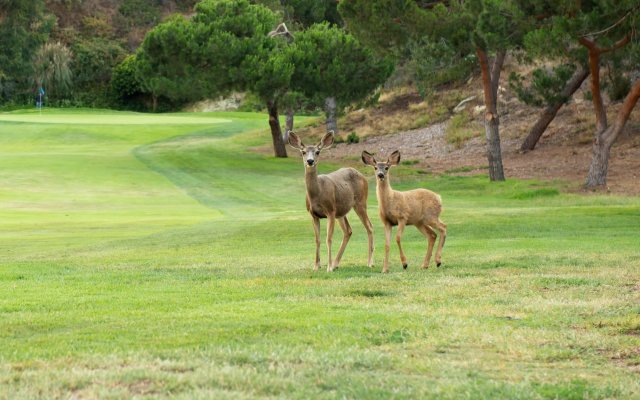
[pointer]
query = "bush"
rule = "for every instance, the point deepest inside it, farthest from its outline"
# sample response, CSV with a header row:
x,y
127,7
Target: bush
x,y
252,103
353,138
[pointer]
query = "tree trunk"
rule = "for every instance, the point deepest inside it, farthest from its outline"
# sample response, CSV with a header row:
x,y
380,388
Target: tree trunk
x,y
599,167
490,79
288,127
276,131
330,107
550,112
154,105
596,95
605,139
494,153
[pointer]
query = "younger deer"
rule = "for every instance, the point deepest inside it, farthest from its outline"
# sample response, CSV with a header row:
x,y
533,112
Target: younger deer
x,y
419,207
332,196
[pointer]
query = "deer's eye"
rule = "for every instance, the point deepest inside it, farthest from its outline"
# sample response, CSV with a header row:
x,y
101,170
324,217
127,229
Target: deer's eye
x,y
386,168
317,153
304,152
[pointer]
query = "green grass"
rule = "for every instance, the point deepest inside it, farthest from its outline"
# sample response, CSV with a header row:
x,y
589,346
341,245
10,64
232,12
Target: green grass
x,y
459,129
156,257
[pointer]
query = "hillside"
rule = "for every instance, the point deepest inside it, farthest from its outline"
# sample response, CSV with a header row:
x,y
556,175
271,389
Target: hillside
x,y
125,21
435,139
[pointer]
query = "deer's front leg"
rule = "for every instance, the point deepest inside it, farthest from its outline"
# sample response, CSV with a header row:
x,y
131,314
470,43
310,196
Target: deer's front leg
x,y
387,241
316,230
331,222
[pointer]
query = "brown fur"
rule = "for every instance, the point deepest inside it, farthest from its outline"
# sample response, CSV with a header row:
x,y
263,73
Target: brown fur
x,y
418,207
332,196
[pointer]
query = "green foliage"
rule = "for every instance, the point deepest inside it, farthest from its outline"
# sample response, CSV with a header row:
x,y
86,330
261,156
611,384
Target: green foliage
x,y
409,162
124,80
438,62
309,12
139,12
24,28
387,26
92,65
556,36
353,138
501,25
438,40
223,47
165,61
330,62
251,103
127,88
96,26
618,85
300,14
544,87
52,71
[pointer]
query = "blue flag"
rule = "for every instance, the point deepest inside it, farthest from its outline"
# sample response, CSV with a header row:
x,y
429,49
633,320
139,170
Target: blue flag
x,y
42,91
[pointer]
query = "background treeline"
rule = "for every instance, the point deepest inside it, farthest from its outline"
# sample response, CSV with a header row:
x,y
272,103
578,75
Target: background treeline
x,y
71,47
160,54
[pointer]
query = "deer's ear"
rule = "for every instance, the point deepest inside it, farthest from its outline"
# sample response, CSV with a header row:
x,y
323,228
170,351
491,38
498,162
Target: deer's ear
x,y
368,159
394,158
294,141
326,141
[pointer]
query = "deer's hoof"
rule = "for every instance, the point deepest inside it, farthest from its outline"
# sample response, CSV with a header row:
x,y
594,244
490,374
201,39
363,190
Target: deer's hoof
x,y
405,266
438,264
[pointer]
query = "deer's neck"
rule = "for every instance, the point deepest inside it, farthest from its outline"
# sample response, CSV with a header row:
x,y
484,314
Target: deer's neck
x,y
311,181
383,192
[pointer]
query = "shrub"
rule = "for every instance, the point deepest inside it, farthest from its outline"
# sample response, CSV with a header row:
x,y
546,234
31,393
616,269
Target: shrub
x,y
353,138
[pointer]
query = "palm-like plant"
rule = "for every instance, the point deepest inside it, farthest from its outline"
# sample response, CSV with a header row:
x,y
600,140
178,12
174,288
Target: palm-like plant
x,y
52,66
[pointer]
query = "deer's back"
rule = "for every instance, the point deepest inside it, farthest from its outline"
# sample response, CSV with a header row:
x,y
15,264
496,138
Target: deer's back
x,y
413,206
427,204
344,188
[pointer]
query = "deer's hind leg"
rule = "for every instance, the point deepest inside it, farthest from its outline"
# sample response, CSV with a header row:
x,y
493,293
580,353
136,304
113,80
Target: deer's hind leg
x,y
431,237
441,227
362,214
331,222
346,229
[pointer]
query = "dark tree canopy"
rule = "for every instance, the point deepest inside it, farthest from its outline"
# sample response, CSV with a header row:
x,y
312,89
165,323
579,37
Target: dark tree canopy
x,y
330,62
24,28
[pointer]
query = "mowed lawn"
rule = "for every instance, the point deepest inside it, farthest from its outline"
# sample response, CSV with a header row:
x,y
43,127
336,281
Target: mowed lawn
x,y
159,256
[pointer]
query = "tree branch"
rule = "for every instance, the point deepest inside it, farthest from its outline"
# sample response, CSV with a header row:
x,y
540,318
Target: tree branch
x,y
618,22
617,44
594,69
624,113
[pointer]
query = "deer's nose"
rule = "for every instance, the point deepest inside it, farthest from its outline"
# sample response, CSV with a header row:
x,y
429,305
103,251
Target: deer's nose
x,y
310,161
380,175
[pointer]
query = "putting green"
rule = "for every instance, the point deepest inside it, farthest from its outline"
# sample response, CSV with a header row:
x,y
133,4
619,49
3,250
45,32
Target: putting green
x,y
82,118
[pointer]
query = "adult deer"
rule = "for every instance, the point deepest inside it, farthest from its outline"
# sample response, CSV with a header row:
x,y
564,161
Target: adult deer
x,y
332,196
418,207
